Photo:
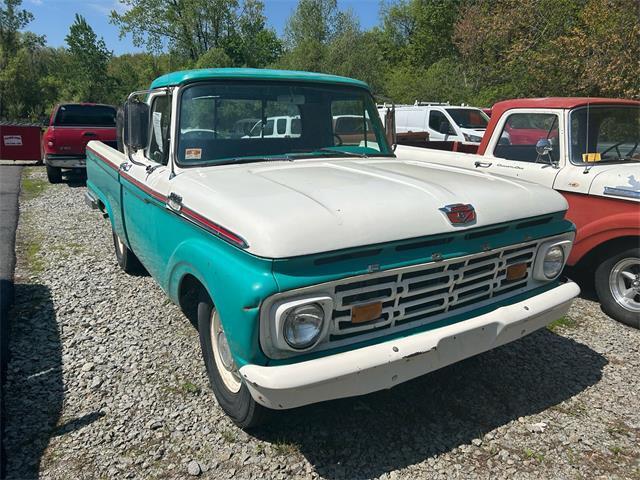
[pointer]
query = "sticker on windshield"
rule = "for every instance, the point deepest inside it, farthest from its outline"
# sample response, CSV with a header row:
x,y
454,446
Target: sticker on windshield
x,y
591,157
157,129
193,154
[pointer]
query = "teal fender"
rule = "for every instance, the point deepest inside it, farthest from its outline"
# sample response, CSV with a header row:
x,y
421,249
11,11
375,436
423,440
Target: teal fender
x,y
236,281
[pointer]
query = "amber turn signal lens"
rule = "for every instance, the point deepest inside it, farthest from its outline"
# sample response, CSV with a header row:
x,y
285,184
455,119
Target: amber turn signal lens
x,y
516,271
366,313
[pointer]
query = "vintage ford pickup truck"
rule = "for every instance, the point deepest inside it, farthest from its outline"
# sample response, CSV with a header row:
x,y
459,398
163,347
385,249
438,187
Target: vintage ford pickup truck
x,y
318,265
589,150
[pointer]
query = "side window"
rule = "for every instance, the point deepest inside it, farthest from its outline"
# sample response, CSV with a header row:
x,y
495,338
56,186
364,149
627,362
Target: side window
x,y
158,150
439,123
522,131
281,126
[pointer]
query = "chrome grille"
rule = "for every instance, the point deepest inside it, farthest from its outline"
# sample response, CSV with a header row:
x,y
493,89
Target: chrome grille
x,y
426,293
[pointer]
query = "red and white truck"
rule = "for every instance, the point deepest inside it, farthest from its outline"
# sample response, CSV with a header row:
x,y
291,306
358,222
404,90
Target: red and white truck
x,y
71,127
589,150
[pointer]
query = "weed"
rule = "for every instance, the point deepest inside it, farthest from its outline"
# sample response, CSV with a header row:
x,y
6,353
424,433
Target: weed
x,y
616,450
562,323
528,453
228,436
192,388
282,448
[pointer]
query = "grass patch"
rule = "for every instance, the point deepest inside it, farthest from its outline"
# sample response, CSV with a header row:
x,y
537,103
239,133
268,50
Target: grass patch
x,y
283,449
191,388
562,323
528,453
32,187
31,251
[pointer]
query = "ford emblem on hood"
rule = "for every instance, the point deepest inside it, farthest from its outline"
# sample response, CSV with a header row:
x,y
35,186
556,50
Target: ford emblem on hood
x,y
459,213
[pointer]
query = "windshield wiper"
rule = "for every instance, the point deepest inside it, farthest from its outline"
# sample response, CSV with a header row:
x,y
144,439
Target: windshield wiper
x,y
341,152
238,160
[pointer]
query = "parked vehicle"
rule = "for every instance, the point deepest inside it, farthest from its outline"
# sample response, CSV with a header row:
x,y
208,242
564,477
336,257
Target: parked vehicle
x,y
589,150
71,127
277,127
443,122
319,267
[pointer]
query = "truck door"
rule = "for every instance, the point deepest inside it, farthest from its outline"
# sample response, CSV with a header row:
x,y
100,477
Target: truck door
x,y
512,149
145,188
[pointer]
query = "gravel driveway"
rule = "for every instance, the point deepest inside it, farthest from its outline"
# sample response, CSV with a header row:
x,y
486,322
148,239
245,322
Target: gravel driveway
x,y
106,381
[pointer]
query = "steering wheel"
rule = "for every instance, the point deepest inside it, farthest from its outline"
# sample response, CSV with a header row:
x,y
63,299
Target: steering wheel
x,y
611,148
338,138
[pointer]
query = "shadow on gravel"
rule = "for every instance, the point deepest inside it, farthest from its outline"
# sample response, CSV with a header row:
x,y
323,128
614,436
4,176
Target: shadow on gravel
x,y
34,389
76,179
368,436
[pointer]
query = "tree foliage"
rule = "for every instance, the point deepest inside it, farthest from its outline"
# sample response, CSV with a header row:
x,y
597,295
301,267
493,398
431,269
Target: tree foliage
x,y
191,28
472,51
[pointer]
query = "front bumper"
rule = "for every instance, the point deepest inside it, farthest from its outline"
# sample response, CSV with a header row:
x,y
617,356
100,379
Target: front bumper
x,y
65,161
385,365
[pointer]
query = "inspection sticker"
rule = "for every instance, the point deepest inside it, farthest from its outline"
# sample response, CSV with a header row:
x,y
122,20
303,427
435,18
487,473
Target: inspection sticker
x,y
193,154
13,140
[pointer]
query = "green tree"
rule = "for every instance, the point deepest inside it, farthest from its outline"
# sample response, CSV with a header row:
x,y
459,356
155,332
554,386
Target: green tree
x,y
194,27
87,79
12,19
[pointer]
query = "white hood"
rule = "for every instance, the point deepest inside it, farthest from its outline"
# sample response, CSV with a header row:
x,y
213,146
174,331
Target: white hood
x,y
285,209
618,181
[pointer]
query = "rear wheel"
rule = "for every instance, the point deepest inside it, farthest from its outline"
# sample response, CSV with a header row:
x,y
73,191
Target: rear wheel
x,y
232,394
126,258
617,283
54,174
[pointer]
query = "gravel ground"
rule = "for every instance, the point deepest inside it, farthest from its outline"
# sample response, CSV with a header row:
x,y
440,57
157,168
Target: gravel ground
x,y
106,381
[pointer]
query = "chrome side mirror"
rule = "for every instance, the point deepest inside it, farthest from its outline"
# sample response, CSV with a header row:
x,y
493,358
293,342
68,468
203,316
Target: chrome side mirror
x,y
543,146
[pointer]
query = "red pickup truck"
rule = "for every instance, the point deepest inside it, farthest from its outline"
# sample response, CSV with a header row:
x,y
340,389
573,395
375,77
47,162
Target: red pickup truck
x,y
588,149
71,127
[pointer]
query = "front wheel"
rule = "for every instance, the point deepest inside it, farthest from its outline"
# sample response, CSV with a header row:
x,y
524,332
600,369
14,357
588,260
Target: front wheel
x,y
232,394
617,283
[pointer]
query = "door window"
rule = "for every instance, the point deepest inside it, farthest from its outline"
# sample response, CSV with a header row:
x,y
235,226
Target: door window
x,y
522,131
158,150
438,122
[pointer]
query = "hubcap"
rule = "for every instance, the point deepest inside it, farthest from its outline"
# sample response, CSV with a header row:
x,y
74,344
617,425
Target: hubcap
x,y
222,355
624,282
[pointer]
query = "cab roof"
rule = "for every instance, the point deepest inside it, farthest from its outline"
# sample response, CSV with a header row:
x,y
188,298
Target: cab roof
x,y
189,76
559,102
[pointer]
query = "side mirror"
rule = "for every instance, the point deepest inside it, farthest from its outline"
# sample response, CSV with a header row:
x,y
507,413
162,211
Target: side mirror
x,y
444,128
543,146
136,131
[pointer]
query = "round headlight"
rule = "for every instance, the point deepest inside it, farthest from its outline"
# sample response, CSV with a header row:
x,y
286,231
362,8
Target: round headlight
x,y
303,325
553,262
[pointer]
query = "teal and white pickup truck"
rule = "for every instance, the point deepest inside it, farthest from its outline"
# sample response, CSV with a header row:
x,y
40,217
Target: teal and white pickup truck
x,y
318,265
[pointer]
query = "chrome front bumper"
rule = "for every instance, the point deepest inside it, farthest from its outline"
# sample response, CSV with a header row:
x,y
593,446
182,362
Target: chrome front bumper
x,y
385,365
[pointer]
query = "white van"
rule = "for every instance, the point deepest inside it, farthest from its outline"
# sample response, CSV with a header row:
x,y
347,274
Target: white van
x,y
276,127
443,122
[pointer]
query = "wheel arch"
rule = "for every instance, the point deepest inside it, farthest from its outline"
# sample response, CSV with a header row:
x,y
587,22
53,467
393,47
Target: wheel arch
x,y
599,252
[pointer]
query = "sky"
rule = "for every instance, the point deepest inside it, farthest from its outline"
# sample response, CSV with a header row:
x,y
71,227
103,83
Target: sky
x,y
54,17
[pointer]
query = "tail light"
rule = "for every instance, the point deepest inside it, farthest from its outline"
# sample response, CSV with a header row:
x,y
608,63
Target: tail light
x,y
49,138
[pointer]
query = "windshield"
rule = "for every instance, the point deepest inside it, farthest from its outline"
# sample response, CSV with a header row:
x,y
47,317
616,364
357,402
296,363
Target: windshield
x,y
85,115
223,123
469,117
605,134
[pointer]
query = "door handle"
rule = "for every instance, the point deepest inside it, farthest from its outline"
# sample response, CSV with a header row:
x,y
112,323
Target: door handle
x,y
482,164
174,202
89,134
